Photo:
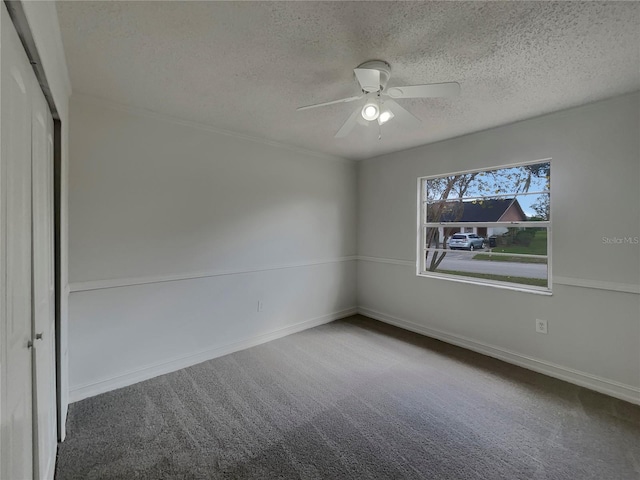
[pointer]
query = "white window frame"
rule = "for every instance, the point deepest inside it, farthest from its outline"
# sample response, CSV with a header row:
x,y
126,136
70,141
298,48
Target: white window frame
x,y
422,225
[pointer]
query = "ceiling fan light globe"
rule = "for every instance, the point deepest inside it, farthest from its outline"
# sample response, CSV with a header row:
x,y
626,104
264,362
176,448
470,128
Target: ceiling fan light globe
x,y
370,111
385,116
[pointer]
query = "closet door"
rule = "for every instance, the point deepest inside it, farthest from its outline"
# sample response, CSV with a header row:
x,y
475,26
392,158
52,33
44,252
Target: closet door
x,y
16,336
45,436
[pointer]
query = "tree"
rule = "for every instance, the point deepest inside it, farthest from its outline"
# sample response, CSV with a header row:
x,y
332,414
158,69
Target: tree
x,y
542,204
542,207
438,191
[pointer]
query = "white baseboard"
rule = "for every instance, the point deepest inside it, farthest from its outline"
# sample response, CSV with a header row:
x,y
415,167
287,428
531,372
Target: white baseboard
x,y
615,389
145,373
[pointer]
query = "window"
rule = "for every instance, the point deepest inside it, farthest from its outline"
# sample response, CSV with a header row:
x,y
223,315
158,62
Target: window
x,y
488,226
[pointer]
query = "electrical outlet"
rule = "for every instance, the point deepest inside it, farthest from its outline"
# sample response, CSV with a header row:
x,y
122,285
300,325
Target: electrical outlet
x,y
541,326
260,306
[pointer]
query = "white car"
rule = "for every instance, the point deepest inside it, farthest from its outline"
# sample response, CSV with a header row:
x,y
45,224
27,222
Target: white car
x,y
466,241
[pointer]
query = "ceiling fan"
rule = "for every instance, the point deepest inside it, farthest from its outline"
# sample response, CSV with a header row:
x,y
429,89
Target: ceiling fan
x,y
379,102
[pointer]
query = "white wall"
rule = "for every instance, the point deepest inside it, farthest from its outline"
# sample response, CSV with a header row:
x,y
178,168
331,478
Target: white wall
x,y
594,312
177,232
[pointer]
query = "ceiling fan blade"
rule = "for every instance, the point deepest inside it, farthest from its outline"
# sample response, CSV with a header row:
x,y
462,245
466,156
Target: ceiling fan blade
x,y
450,89
369,79
401,114
342,100
349,124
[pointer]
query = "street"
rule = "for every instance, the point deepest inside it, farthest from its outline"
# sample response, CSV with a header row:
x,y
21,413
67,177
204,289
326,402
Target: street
x,y
461,260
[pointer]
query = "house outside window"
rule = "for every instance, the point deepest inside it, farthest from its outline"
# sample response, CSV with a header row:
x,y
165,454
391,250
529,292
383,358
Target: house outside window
x,y
488,226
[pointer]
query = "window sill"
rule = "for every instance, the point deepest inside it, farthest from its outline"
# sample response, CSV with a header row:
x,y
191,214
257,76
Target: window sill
x,y
488,283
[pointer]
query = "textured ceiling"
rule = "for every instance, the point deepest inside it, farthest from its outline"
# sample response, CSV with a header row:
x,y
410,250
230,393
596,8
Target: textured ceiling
x,y
246,66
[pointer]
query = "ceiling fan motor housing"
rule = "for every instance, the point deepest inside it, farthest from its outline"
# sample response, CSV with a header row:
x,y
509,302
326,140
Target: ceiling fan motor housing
x,y
385,72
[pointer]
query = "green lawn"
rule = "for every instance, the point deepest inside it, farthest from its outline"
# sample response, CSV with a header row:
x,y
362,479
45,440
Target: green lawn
x,y
490,258
539,282
538,246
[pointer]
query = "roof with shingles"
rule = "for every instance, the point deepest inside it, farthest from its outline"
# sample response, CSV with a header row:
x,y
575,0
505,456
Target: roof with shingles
x,y
481,211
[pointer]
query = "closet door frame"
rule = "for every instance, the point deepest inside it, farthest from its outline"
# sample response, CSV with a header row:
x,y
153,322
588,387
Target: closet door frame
x,y
43,289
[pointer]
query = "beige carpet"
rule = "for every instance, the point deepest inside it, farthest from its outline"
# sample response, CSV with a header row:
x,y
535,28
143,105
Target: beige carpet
x,y
354,399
